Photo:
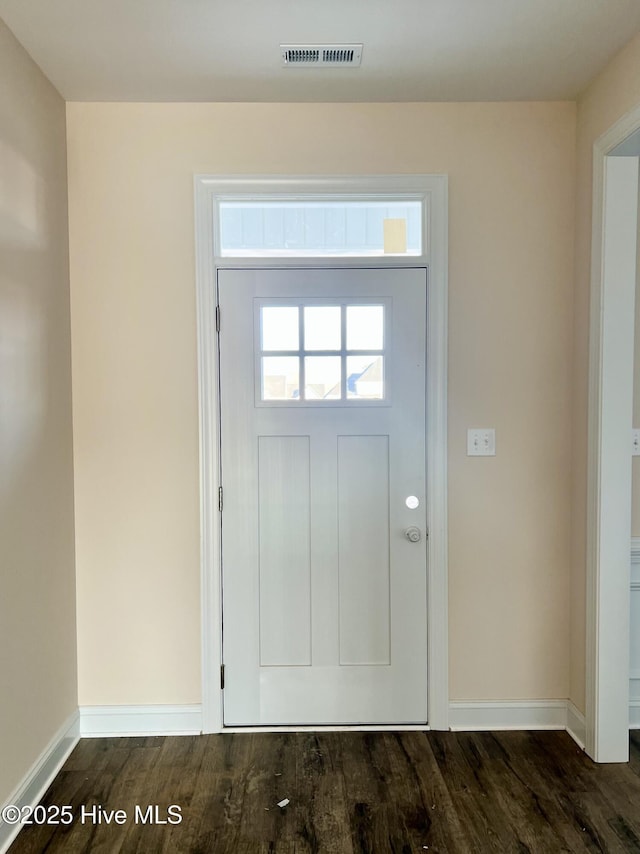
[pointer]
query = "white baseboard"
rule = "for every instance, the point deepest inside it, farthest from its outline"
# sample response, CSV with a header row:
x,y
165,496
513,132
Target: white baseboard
x,y
517,714
576,726
107,721
41,774
634,714
521,715
104,721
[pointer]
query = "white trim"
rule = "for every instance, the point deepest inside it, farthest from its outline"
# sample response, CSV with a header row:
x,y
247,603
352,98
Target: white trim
x,y
107,721
431,188
37,780
576,726
209,437
527,715
635,563
480,715
608,499
437,474
505,715
634,675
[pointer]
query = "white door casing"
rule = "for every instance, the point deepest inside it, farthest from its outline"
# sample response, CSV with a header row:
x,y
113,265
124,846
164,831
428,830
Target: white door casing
x,y
324,596
613,286
432,189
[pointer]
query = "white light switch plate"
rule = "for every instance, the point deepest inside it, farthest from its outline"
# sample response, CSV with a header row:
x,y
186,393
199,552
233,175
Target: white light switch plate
x,y
635,442
481,442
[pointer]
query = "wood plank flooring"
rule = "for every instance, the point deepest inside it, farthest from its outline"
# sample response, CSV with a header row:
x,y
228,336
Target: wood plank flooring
x,y
348,793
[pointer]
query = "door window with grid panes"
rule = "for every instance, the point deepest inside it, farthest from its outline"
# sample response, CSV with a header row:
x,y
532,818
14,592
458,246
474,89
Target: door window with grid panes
x,y
321,352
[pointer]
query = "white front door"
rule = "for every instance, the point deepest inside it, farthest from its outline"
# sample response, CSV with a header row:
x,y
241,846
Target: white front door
x,y
322,398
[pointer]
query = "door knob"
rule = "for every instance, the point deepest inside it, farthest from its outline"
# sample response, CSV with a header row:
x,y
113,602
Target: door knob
x,y
413,534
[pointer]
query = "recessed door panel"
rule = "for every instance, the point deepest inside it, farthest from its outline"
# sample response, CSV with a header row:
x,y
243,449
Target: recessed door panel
x,y
285,556
363,549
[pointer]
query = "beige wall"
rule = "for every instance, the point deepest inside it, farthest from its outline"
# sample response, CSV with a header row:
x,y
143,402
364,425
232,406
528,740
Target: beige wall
x,y
612,94
38,688
512,193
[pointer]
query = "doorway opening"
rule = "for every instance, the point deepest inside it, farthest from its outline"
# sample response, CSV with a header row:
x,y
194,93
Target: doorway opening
x,y
611,356
411,235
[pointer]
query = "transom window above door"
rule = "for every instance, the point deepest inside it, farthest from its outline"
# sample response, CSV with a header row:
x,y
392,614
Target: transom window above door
x,y
321,227
321,352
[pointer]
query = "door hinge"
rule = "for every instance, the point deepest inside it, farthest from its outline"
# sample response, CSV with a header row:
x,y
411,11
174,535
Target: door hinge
x,y
220,499
217,318
222,677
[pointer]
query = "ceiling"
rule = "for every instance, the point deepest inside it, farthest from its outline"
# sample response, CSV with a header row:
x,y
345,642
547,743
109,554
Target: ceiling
x,y
228,50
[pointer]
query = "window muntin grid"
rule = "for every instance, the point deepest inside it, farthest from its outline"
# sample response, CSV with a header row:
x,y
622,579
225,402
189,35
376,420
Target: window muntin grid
x,y
321,364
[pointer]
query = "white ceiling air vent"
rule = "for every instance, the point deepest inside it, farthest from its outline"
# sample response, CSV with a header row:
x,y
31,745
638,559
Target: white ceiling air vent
x,y
325,55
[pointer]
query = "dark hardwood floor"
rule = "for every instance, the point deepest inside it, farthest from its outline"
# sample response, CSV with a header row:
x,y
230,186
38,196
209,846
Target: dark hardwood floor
x,y
348,792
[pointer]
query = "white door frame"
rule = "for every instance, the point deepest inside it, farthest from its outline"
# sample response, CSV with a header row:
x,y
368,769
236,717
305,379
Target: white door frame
x,y
611,347
432,190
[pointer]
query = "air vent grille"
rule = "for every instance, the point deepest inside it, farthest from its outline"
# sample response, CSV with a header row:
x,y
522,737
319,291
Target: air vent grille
x,y
300,55
338,54
317,55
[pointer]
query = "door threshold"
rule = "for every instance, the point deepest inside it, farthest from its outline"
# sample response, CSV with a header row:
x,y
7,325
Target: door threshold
x,y
331,728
